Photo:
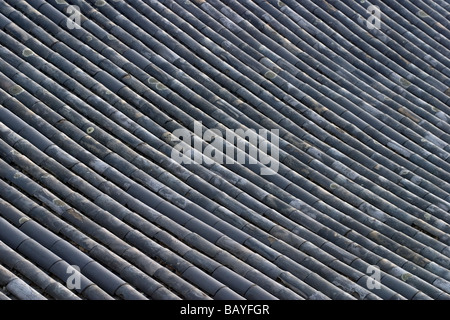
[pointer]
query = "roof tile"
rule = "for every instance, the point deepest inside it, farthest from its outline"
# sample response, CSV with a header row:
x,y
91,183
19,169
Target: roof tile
x,y
363,139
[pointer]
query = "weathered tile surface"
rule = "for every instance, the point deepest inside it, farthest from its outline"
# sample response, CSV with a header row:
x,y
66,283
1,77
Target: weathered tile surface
x,y
92,91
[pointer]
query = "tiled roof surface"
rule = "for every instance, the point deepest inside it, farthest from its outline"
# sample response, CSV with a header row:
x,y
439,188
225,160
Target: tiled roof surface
x,y
87,176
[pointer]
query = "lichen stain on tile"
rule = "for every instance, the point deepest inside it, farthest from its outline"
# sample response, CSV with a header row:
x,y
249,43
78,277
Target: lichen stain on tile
x,y
422,14
270,75
152,80
59,203
100,3
334,186
27,52
161,87
404,82
15,90
406,276
23,220
18,175
409,114
75,214
168,137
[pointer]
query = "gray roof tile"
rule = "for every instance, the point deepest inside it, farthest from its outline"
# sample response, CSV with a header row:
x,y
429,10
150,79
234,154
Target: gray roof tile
x,y
363,146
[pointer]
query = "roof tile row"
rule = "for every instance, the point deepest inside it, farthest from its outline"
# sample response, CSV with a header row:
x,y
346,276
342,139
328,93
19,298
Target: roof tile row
x,y
231,64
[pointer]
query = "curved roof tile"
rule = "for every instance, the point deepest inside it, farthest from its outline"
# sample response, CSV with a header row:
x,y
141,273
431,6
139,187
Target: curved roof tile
x,y
88,176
